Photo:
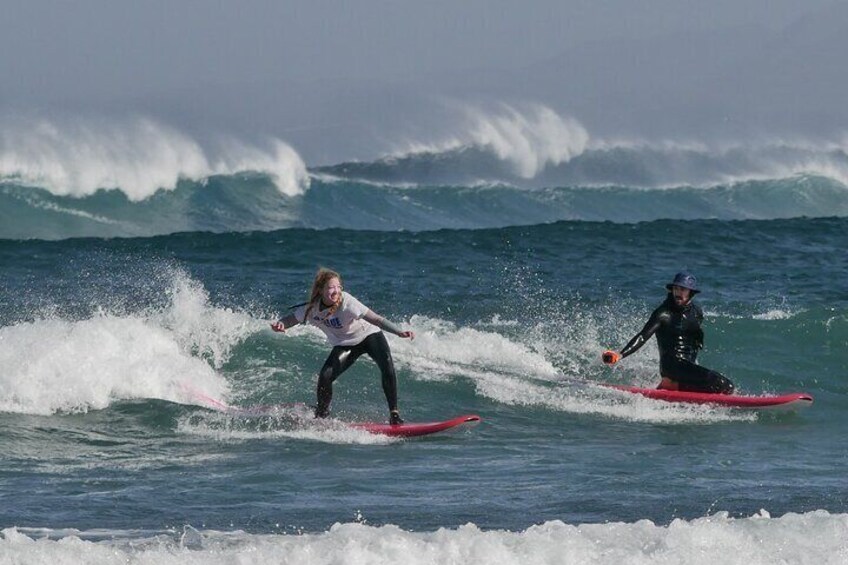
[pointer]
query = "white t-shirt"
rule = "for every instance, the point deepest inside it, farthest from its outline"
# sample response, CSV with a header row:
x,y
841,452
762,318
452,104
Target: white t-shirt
x,y
345,326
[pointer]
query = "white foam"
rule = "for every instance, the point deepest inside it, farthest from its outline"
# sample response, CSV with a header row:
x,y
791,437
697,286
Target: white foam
x,y
530,138
516,373
52,365
280,161
814,537
767,314
52,207
225,427
138,156
439,343
204,331
776,314
735,162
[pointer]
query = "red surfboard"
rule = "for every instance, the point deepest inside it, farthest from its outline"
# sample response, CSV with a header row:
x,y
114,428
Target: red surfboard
x,y
414,429
297,410
794,400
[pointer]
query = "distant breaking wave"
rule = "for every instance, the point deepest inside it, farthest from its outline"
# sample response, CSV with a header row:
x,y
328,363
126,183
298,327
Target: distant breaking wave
x,y
138,157
501,167
635,165
533,146
519,143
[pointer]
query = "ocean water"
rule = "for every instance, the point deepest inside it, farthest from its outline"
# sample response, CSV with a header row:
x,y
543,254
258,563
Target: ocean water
x,y
123,311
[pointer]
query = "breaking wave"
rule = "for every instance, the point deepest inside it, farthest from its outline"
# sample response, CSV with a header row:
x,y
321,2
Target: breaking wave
x,y
138,157
499,167
600,164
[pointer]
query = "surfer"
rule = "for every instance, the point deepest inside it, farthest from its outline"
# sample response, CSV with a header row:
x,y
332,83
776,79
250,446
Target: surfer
x,y
677,323
352,329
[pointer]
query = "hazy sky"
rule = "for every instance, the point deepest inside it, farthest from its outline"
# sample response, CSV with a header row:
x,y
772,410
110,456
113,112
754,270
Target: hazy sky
x,y
338,79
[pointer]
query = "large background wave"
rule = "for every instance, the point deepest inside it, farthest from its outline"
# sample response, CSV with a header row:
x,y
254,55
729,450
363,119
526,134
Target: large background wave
x,y
627,164
137,156
502,166
251,201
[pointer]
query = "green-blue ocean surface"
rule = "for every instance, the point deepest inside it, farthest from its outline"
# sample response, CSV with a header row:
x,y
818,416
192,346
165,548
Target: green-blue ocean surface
x,y
115,352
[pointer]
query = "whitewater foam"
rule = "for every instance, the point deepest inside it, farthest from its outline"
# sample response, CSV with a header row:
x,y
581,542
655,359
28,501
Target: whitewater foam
x,y
672,163
813,537
442,342
53,207
236,425
204,331
55,365
513,373
138,156
544,148
776,314
530,138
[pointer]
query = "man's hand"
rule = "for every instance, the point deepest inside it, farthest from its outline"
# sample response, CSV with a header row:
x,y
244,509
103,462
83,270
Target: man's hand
x,y
611,357
278,327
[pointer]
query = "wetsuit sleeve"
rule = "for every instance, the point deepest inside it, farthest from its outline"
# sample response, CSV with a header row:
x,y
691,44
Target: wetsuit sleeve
x,y
382,323
699,335
651,327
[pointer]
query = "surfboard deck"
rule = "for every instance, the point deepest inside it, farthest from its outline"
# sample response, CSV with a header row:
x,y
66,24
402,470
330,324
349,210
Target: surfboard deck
x,y
793,400
300,412
416,429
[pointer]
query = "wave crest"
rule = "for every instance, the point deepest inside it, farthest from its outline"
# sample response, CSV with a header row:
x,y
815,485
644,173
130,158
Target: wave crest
x,y
170,353
139,156
529,139
600,164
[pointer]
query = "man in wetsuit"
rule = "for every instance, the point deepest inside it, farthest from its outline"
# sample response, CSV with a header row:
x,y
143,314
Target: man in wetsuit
x,y
677,323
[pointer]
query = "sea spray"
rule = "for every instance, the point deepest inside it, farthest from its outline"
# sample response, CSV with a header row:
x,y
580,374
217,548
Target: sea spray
x,y
56,365
138,156
817,537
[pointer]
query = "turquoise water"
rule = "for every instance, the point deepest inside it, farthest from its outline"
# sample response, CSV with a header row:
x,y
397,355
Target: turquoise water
x,y
124,311
104,342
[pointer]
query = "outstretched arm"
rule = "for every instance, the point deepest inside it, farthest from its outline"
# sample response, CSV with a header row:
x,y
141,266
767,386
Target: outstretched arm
x,y
386,325
638,340
285,323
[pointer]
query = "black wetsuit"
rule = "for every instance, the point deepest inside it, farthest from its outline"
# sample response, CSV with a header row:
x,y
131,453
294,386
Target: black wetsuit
x,y
342,356
679,337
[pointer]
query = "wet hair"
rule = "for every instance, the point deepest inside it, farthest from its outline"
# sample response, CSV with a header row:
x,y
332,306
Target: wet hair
x,y
322,277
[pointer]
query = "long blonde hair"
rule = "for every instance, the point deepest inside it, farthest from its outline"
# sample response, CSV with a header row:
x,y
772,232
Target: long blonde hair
x,y
322,277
